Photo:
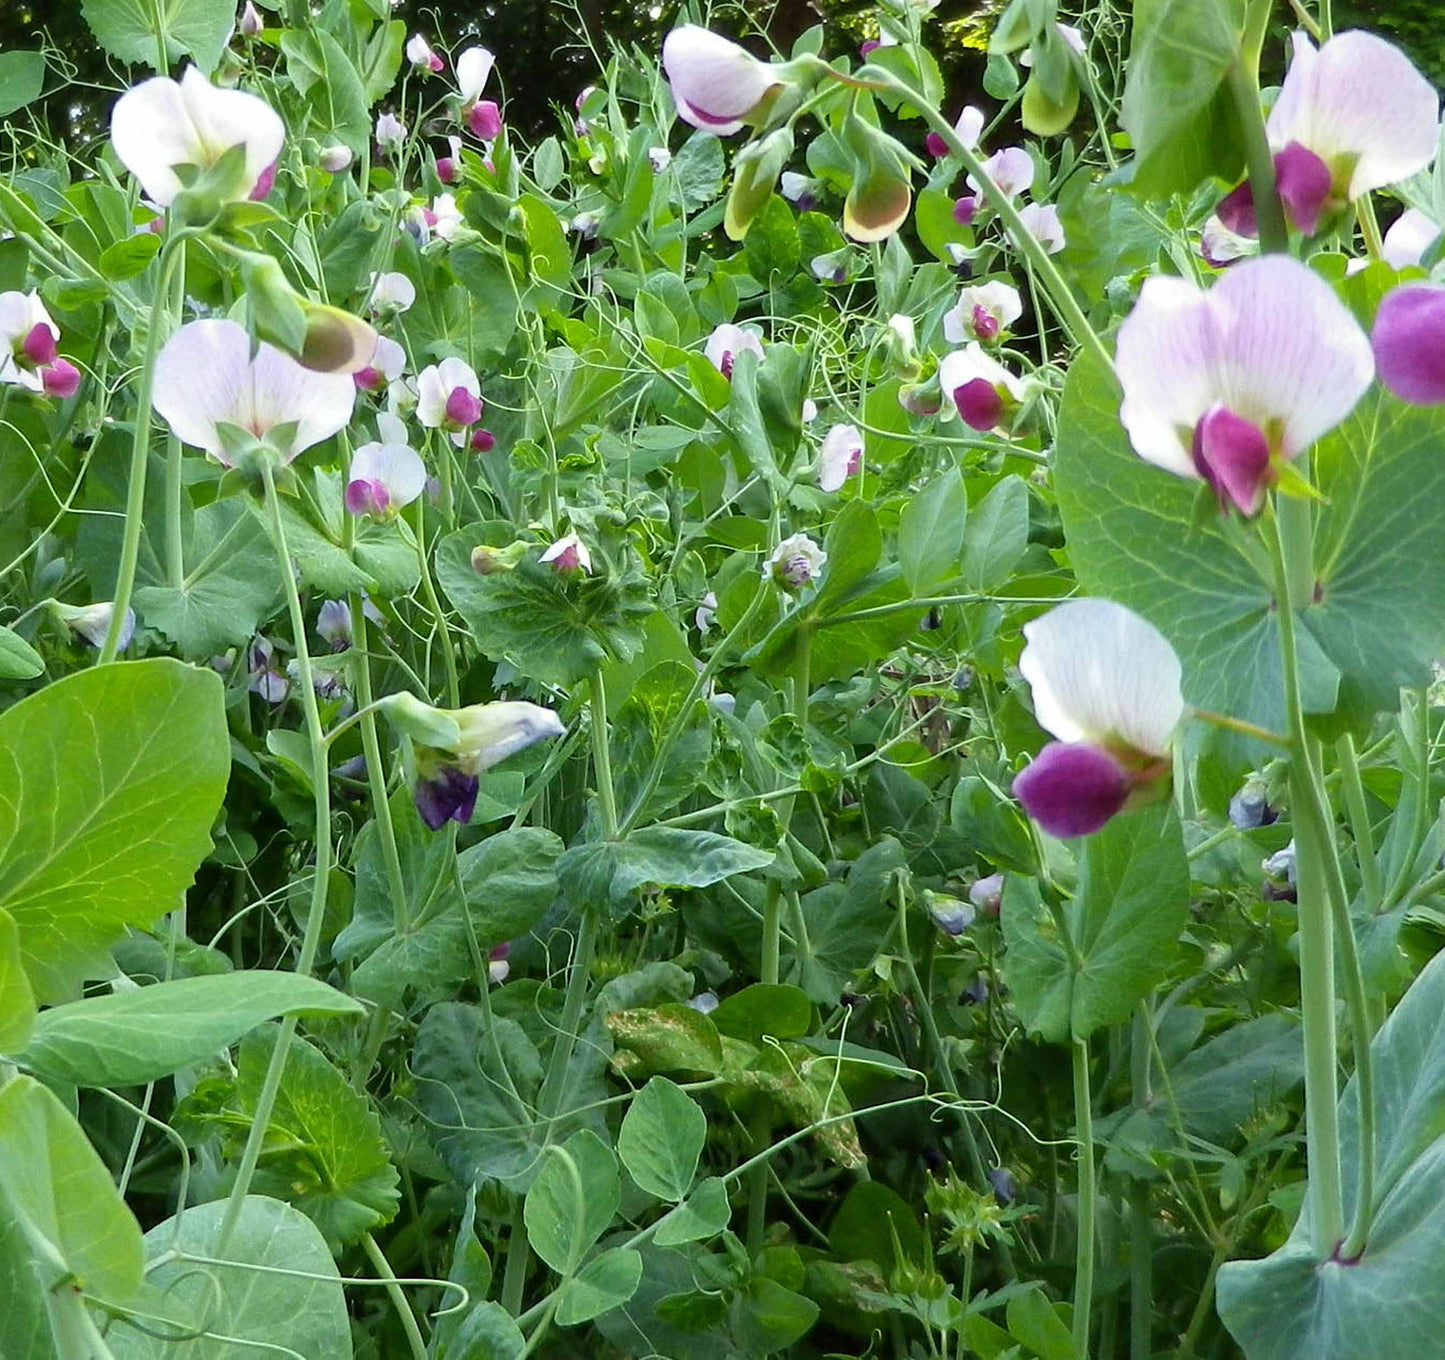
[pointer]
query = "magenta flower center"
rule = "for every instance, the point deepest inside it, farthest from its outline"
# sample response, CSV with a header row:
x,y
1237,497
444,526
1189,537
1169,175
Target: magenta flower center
x,y
979,403
462,407
39,345
367,496
485,119
1072,789
1232,454
985,323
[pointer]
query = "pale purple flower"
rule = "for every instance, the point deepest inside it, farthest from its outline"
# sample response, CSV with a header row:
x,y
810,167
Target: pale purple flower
x,y
333,623
1041,221
390,131
706,612
983,312
92,622
799,190
569,553
659,157
449,397
715,83
420,54
987,893
1409,343
796,562
388,360
384,477
1011,170
840,457
393,292
335,158
1227,384
726,342
1106,684
265,679
1221,247
1409,237
250,24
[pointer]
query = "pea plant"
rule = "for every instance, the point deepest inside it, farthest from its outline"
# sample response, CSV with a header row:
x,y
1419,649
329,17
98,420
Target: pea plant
x,y
793,720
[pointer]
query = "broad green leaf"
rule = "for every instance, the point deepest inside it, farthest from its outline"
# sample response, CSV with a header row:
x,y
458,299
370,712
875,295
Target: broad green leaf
x,y
872,1223
489,1332
931,532
24,1321
640,729
669,1038
133,1037
301,1307
661,1139
764,1009
548,165
62,1197
772,246
129,257
22,76
996,535
604,1283
128,29
703,1214
324,74
665,856
846,924
109,782
17,1000
1177,108
471,1268
1033,1320
572,1201
1292,1306
1126,917
697,170
18,659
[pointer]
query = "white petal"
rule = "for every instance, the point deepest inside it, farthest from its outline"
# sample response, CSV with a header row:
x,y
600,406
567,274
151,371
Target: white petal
x,y
282,391
1409,237
726,339
456,373
398,467
226,118
492,732
1041,221
431,397
842,445
969,126
21,313
1011,169
151,132
692,117
474,66
389,358
964,365
199,379
392,429
393,290
1100,673
717,79
1358,96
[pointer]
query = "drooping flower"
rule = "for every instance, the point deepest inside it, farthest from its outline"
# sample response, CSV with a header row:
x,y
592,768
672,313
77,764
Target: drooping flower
x,y
266,678
446,217
569,553
212,393
1011,170
385,475
968,128
1352,116
28,354
715,83
1409,237
419,53
1106,684
474,68
449,397
726,342
449,748
949,914
162,126
800,190
706,612
982,389
659,157
92,621
1409,343
982,312
987,893
390,132
498,963
840,457
1041,221
796,562
333,623
1230,384
1221,247
394,292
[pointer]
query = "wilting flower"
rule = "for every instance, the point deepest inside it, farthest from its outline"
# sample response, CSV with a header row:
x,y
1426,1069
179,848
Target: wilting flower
x,y
1230,384
987,893
390,131
266,679
659,157
728,341
388,360
213,394
333,623
420,54
1105,683
1409,237
965,209
840,457
1409,343
449,397
949,914
982,389
569,553
1351,117
968,128
982,312
28,355
449,748
715,83
334,159
1041,221
706,612
796,562
92,621
163,125
395,292
385,475
1011,170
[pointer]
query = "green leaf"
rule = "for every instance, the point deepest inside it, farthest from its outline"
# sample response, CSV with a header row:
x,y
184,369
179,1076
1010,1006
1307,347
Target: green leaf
x,y
128,29
698,170
872,1223
996,535
661,1139
704,1214
24,1321
300,1306
17,1000
846,924
1126,917
111,779
765,1010
488,1333
22,77
1033,1320
662,856
18,659
572,1201
931,532
1177,108
63,1198
604,1283
324,74
133,1037
1290,1306
773,248
668,1038
127,258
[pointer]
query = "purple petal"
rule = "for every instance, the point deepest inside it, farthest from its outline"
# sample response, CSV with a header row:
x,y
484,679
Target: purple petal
x,y
979,403
448,795
39,344
1409,341
1304,183
936,146
965,209
1232,455
1072,790
462,407
364,497
1236,211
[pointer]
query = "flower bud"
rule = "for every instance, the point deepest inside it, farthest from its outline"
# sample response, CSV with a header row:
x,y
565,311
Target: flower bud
x,y
716,85
250,23
568,554
881,193
92,621
796,562
484,119
60,379
334,159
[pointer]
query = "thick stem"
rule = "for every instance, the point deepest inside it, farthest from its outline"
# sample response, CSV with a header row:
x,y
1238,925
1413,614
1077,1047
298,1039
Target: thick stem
x,y
394,1292
602,757
1084,1255
140,450
514,1279
311,935
1244,89
1359,820
175,462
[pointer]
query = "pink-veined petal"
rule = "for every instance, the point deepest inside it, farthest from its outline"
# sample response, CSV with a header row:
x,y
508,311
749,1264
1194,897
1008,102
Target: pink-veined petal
x,y
282,391
1409,237
200,376
152,133
840,456
719,81
226,118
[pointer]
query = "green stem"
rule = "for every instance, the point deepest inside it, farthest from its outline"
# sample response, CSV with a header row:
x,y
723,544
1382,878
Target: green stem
x,y
1084,1257
434,604
1359,820
1244,89
311,935
1415,730
394,1292
175,462
602,757
140,450
1141,1233
518,1253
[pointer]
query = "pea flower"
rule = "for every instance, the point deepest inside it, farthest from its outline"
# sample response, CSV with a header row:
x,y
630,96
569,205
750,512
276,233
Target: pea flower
x,y
92,621
1011,170
982,312
969,128
1231,384
1220,247
445,217
388,360
335,158
390,131
1073,40
728,341
333,623
1041,221
796,562
1352,116
982,389
482,116
250,23
659,157
840,457
215,396
420,54
568,554
393,292
450,748
163,125
1106,684
1409,343
715,83
800,190
1409,237
28,355
386,474
449,397
705,613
